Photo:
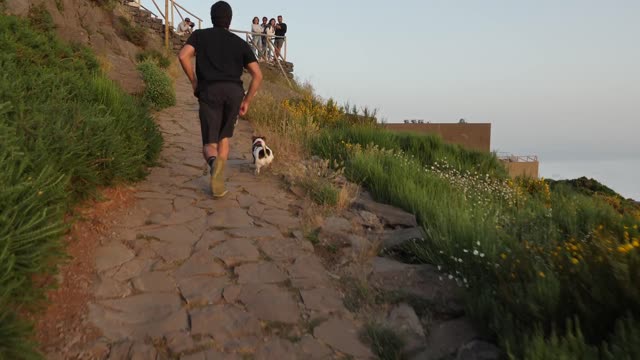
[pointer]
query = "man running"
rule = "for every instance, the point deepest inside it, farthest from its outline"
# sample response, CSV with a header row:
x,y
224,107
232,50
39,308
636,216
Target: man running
x,y
220,59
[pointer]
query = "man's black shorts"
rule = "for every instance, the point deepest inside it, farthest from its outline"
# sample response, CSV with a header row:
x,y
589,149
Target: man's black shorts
x,y
219,108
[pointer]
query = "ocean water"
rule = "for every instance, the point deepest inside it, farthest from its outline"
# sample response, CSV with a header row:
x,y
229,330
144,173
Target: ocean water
x,y
621,175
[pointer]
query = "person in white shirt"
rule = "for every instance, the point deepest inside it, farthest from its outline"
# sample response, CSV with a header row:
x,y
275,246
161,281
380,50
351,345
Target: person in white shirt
x,y
271,32
184,28
256,40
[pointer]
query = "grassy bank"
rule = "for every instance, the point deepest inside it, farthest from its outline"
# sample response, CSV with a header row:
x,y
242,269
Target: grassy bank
x,y
65,130
551,269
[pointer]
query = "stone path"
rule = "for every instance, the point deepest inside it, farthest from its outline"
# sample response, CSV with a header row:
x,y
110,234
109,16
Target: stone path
x,y
188,277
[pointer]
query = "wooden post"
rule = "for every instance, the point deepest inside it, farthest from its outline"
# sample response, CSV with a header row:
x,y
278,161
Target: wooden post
x,y
166,24
199,24
285,48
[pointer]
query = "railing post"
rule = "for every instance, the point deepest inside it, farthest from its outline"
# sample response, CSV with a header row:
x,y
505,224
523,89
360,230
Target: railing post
x,y
285,48
199,24
166,24
173,7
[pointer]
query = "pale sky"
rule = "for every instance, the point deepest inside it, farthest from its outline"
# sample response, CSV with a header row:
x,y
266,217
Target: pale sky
x,y
560,79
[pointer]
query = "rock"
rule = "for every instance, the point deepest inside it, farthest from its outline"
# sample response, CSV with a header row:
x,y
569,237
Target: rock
x,y
393,238
322,300
369,219
120,351
242,345
99,349
138,316
156,281
109,288
112,255
234,252
479,350
184,216
343,336
230,218
246,200
202,290
200,263
210,239
403,321
256,233
390,216
256,210
336,224
275,348
270,303
280,218
422,281
179,342
182,203
447,337
312,349
132,269
141,351
260,273
308,273
223,322
179,234
231,293
283,249
171,252
211,355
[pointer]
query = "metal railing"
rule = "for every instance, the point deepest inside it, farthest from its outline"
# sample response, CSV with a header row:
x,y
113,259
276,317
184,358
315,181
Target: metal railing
x,y
270,42
517,158
171,7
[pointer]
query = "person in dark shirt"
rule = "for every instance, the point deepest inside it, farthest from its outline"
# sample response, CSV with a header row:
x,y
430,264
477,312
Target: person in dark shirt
x,y
221,57
281,31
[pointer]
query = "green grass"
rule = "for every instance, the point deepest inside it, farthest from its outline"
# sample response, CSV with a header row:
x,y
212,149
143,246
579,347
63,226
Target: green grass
x,y
65,130
385,343
131,31
159,91
161,59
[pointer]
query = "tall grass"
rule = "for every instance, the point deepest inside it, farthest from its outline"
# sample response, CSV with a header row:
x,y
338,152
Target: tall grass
x,y
65,130
158,91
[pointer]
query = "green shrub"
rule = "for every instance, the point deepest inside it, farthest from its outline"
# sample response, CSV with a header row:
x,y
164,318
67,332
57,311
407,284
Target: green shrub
x,y
161,59
65,129
384,342
159,91
132,32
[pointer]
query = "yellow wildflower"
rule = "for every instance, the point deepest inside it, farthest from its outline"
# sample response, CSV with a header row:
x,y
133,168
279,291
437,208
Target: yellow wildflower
x,y
40,193
541,274
503,256
574,261
635,243
622,249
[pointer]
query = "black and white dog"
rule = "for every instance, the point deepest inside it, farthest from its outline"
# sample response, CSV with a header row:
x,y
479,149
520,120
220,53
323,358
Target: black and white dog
x,y
262,155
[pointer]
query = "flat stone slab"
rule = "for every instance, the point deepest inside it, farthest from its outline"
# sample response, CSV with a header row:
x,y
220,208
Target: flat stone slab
x,y
223,322
275,348
246,200
153,195
404,322
110,288
322,300
211,355
230,218
139,316
171,252
270,303
202,290
446,338
343,336
180,234
390,216
255,233
112,255
155,281
310,348
283,249
132,268
201,263
280,218
210,239
185,215
423,281
393,238
260,273
308,273
236,251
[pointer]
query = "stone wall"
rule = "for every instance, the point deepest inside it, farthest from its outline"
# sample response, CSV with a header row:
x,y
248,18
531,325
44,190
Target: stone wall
x,y
145,19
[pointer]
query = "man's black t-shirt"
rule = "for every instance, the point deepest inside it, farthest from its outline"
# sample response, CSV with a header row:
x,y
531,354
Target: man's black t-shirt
x,y
220,55
282,31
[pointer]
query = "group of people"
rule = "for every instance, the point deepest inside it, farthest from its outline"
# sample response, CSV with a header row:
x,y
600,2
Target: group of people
x,y
270,30
185,27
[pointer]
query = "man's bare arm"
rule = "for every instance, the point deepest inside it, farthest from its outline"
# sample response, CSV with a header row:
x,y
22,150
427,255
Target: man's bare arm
x,y
256,80
186,56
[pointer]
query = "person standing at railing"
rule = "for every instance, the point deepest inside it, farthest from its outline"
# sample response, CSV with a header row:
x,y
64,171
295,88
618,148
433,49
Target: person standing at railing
x,y
265,23
270,31
220,59
281,31
256,40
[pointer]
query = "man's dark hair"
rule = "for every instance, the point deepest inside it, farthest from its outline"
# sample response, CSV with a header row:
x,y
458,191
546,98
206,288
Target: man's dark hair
x,y
221,14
